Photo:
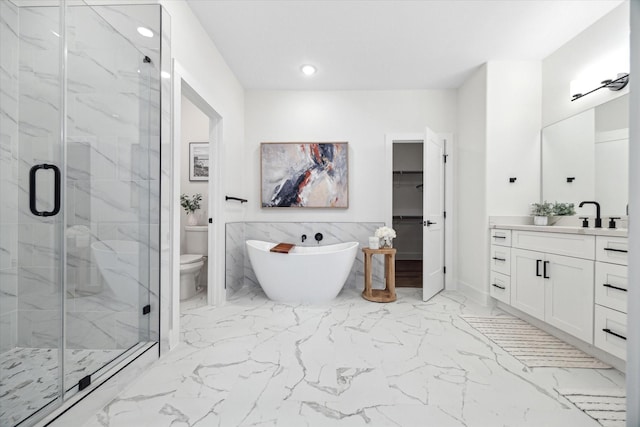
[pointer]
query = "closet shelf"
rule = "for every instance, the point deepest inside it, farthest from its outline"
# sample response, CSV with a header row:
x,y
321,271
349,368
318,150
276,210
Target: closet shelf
x,y
406,172
403,217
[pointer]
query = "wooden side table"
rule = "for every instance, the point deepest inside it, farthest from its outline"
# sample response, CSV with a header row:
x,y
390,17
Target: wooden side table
x,y
380,295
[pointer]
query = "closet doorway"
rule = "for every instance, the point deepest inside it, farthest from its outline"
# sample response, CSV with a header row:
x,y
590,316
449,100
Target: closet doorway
x,y
408,187
417,209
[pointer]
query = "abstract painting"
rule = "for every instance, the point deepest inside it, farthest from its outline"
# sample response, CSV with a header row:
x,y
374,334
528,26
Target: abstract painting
x,y
304,174
198,161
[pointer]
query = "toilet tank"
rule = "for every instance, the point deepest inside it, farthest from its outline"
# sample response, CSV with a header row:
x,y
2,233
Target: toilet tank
x,y
196,237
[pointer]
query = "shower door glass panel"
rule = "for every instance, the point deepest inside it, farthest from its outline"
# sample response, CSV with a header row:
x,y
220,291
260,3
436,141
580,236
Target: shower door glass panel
x,y
31,291
111,194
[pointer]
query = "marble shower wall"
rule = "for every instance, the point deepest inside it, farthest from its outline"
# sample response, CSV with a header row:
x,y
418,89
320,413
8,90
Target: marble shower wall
x,y
240,275
8,175
113,176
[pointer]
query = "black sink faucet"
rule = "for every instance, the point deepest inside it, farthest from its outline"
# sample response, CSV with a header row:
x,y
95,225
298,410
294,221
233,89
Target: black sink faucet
x,y
598,219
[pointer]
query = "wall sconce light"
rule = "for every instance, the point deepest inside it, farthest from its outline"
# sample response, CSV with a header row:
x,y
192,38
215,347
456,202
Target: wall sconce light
x,y
620,82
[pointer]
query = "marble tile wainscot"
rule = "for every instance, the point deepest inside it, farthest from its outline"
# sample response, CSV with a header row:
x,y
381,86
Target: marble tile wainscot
x,y
239,275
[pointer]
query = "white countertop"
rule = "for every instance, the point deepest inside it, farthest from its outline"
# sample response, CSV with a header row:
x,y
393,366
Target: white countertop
x,y
618,232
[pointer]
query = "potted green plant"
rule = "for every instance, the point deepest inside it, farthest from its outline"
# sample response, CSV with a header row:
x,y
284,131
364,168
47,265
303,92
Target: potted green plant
x,y
563,209
541,212
191,205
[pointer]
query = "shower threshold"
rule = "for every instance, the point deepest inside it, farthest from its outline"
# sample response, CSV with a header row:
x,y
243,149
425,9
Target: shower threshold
x,y
29,377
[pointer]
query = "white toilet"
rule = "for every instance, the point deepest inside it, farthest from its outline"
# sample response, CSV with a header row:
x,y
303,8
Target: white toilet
x,y
192,272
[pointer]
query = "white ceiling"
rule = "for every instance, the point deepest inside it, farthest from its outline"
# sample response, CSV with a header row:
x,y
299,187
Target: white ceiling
x,y
381,44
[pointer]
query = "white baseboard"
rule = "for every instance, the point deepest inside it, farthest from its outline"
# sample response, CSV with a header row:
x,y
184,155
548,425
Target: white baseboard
x,y
473,293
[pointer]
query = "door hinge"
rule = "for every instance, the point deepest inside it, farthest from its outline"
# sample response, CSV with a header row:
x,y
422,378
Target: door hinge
x,y
444,214
444,156
84,383
444,269
210,220
146,309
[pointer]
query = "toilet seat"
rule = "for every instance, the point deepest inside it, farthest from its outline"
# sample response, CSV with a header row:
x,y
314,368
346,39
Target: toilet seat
x,y
190,259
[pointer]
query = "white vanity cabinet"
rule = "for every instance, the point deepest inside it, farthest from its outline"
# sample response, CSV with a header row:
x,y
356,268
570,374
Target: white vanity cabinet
x,y
575,281
554,288
611,284
500,265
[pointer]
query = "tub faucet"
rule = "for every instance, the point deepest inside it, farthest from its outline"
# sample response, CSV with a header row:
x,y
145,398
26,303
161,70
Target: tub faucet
x,y
318,237
303,238
598,219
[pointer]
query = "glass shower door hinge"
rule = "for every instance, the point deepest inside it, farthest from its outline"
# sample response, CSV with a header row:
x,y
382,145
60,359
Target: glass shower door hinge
x,y
146,309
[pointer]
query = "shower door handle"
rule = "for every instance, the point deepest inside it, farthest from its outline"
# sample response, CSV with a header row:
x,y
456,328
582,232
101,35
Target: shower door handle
x,y
33,193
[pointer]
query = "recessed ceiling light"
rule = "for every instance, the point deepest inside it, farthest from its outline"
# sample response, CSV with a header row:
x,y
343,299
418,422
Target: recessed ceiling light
x,y
145,32
308,69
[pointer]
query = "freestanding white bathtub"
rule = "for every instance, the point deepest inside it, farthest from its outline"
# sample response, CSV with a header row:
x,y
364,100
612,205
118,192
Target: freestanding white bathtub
x,y
308,274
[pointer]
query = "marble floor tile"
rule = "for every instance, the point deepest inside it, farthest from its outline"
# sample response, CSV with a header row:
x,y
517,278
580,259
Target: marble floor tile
x,y
255,362
29,377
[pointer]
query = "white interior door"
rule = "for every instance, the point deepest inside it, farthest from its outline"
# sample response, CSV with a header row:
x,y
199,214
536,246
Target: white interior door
x,y
433,216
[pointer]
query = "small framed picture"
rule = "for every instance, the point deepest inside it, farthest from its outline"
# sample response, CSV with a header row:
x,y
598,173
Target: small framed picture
x,y
198,161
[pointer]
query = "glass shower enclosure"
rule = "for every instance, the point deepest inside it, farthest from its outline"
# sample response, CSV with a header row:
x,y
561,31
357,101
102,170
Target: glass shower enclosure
x,y
80,97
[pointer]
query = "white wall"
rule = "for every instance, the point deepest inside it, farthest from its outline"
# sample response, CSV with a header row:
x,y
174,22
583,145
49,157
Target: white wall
x,y
362,118
633,343
197,58
513,136
605,42
196,53
194,128
499,138
470,205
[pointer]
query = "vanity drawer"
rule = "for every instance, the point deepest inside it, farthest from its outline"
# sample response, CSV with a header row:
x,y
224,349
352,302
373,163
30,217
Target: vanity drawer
x,y
573,245
500,287
610,331
500,259
612,249
501,237
611,286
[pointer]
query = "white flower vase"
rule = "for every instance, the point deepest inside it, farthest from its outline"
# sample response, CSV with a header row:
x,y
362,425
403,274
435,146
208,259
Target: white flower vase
x,y
540,220
192,219
386,242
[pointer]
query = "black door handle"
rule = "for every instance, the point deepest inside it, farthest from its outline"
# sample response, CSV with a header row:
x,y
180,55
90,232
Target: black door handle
x,y
33,193
428,223
538,261
544,270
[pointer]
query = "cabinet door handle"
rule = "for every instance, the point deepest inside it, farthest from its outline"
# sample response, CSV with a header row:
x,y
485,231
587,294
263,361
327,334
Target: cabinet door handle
x,y
544,269
499,259
616,250
538,261
498,286
609,331
499,237
606,285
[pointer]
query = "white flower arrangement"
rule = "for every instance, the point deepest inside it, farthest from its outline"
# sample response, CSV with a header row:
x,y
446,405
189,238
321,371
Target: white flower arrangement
x,y
385,232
